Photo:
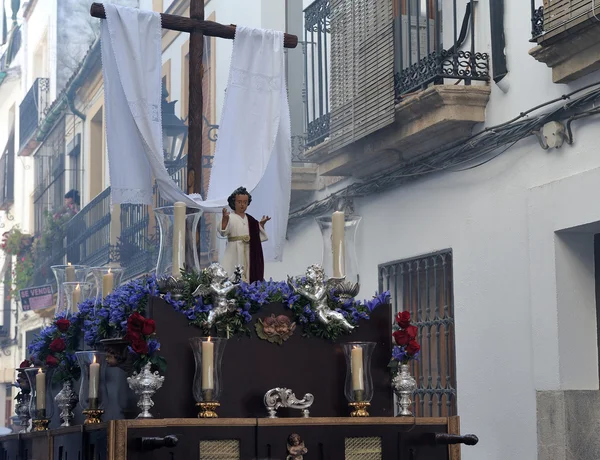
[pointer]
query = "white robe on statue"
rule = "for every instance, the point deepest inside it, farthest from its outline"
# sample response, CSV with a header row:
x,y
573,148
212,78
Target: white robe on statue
x,y
238,252
253,149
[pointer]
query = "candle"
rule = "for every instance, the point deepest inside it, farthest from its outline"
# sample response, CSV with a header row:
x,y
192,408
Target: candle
x,y
208,361
40,390
337,242
94,381
108,282
358,382
70,273
178,238
76,297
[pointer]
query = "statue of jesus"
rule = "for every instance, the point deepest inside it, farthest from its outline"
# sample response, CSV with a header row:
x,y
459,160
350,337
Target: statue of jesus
x,y
244,236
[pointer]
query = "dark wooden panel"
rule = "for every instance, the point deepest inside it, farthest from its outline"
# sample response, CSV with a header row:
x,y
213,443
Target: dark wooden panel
x,y
67,443
189,438
35,446
252,366
10,446
95,444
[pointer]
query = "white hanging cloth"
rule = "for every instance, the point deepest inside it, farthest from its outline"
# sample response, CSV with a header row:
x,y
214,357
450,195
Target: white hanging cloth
x,y
253,149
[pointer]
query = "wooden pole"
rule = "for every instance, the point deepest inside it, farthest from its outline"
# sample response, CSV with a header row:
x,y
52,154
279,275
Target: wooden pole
x,y
196,103
183,24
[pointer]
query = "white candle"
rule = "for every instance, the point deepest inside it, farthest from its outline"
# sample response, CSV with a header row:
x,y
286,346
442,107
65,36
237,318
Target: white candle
x,y
178,238
108,282
70,273
40,390
358,382
76,297
337,242
94,382
208,362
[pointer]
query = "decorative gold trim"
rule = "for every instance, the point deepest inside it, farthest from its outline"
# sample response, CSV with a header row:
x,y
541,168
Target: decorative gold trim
x,y
454,428
440,421
40,424
92,416
117,440
207,409
359,409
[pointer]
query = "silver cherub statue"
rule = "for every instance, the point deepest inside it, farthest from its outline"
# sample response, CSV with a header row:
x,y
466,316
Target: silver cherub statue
x,y
316,290
221,284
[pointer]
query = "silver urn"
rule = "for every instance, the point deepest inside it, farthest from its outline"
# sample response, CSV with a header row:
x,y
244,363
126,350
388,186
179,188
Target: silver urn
x,y
145,384
404,386
22,411
66,400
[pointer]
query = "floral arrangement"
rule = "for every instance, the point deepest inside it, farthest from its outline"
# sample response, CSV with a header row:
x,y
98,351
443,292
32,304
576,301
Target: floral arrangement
x,y
55,346
405,336
140,333
19,244
250,298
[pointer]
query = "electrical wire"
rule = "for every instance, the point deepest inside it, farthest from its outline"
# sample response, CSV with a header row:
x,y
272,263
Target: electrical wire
x,y
477,146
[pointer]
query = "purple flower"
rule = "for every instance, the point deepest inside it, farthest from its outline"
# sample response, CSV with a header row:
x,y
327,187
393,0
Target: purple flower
x,y
398,353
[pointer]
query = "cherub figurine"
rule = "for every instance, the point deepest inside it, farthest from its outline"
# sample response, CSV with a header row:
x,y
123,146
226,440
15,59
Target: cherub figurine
x,y
316,290
295,447
219,287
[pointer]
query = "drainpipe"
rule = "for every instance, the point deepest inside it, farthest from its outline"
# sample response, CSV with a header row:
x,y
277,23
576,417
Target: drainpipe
x,y
499,68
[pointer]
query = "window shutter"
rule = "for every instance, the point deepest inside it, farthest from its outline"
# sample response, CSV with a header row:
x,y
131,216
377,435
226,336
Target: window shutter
x,y
362,69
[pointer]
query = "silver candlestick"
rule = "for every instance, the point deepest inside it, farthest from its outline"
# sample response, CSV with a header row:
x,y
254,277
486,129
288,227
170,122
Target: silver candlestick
x,y
145,384
66,400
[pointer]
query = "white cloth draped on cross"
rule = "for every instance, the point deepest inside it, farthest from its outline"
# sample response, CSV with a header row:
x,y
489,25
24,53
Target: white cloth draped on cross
x,y
254,145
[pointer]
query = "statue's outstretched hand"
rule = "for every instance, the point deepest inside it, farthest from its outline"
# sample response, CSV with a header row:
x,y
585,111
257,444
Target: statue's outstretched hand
x,y
225,213
264,220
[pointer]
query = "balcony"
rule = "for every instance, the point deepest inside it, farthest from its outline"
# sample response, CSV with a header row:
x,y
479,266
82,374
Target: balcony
x,y
567,37
31,114
386,83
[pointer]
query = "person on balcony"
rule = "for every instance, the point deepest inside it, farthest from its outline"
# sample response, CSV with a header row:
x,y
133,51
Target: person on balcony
x,y
75,228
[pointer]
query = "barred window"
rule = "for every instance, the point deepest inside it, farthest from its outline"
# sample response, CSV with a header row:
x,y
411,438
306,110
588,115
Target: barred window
x,y
423,286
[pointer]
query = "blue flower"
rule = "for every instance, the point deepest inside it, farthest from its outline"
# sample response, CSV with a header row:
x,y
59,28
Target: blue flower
x,y
398,353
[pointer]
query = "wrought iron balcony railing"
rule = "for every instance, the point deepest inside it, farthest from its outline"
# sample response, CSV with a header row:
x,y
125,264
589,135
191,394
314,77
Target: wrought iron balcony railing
x,y
537,21
32,109
423,54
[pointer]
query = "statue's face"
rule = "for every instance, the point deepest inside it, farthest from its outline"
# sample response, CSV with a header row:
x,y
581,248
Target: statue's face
x,y
241,203
314,274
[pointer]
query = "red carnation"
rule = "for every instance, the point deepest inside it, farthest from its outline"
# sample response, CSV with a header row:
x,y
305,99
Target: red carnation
x,y
135,322
51,361
401,337
403,319
63,325
57,345
140,346
412,331
412,348
149,327
25,363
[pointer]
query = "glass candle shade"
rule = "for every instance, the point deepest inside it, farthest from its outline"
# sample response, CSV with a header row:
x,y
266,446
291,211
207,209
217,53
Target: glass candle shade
x,y
107,280
68,274
339,251
208,353
74,293
358,387
176,239
92,393
41,403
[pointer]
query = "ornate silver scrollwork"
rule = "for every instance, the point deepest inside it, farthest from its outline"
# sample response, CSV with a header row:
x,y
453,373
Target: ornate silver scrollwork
x,y
284,397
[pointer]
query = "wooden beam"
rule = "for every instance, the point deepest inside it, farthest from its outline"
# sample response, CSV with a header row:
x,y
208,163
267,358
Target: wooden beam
x,y
196,103
183,24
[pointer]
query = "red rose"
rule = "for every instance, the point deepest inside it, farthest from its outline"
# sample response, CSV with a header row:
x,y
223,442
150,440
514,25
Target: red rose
x,y
25,363
412,331
140,346
401,337
57,345
149,327
403,319
63,325
412,348
51,361
132,336
135,322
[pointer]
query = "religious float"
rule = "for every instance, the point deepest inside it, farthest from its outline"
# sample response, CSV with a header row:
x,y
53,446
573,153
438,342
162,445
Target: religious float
x,y
218,363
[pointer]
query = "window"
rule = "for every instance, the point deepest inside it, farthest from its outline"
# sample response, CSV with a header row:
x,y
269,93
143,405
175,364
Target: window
x,y
6,303
8,405
7,173
423,286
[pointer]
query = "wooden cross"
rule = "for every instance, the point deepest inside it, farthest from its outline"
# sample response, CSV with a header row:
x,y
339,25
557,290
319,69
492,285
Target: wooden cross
x,y
197,27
